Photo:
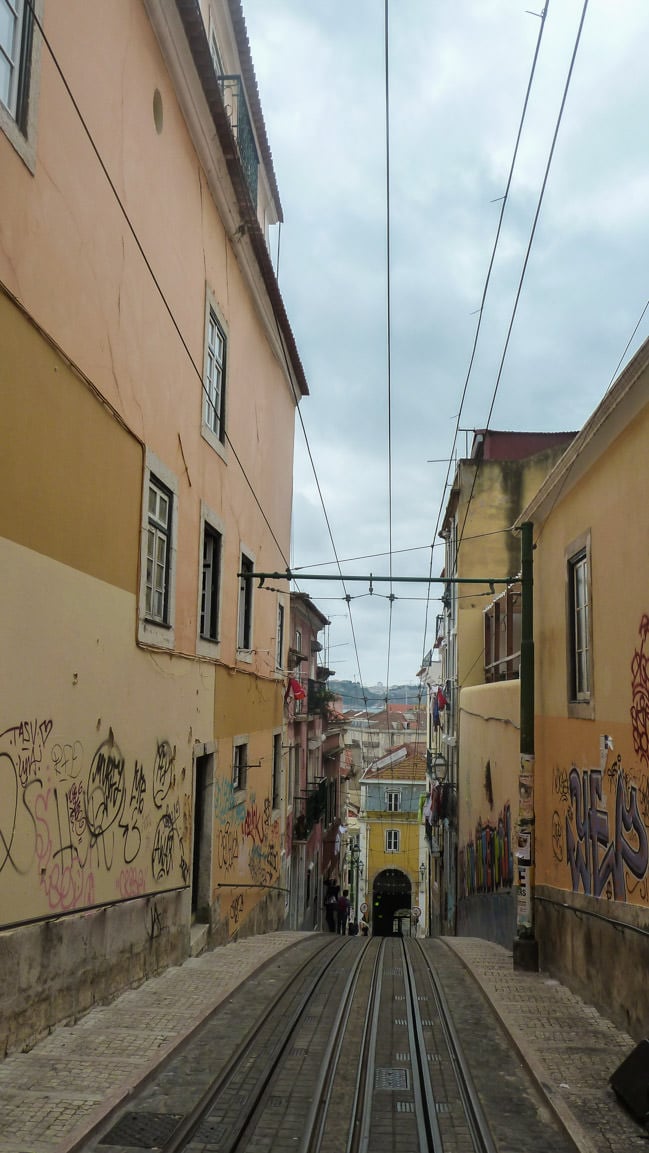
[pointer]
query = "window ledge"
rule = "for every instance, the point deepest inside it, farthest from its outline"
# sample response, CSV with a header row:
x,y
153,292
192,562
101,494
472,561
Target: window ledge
x,y
212,439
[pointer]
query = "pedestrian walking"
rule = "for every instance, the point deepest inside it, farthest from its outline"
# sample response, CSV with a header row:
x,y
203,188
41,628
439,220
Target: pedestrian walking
x,y
331,907
344,905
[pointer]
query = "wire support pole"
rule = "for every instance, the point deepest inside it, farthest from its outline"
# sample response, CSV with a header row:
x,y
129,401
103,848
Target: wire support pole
x,y
371,579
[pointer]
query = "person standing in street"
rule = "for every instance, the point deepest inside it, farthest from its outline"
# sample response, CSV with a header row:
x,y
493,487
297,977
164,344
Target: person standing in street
x,y
331,907
344,906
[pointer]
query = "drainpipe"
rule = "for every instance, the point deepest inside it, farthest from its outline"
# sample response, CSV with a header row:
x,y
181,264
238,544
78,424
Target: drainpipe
x,y
526,948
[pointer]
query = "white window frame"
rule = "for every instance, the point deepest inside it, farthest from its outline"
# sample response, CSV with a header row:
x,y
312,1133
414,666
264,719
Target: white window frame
x,y
240,762
392,795
205,645
213,411
19,123
245,607
276,783
279,639
393,840
150,630
579,628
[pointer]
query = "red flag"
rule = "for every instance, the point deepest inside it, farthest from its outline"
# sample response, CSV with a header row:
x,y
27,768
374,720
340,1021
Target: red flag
x,y
294,687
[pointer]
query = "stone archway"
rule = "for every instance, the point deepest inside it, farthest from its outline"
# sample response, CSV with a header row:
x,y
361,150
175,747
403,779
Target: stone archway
x,y
391,893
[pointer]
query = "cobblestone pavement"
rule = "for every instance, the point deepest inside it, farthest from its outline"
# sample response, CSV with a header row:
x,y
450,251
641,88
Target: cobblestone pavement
x,y
53,1095
570,1049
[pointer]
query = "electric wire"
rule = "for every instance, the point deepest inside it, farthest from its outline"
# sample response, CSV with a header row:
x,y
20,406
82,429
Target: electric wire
x,y
485,289
527,257
154,278
388,322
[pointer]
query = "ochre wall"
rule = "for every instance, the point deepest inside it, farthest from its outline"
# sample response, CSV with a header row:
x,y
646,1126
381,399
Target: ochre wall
x,y
592,806
96,789
78,473
488,795
246,828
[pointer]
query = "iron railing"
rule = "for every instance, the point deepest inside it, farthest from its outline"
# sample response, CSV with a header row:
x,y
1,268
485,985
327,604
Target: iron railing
x,y
236,107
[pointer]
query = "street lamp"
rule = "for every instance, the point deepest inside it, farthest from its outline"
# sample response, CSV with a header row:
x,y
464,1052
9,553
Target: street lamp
x,y
356,868
422,872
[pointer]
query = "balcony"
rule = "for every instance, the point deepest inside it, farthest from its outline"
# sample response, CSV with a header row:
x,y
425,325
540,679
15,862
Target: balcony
x,y
237,109
308,809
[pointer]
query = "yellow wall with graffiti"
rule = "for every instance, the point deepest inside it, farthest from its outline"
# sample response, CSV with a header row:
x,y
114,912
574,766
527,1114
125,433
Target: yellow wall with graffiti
x,y
247,856
592,801
96,798
488,802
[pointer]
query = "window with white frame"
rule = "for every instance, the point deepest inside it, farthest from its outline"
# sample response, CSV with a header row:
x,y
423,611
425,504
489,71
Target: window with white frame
x,y
277,770
20,53
214,378
579,624
16,32
215,54
392,840
159,533
244,625
298,640
158,551
393,800
239,763
279,642
210,583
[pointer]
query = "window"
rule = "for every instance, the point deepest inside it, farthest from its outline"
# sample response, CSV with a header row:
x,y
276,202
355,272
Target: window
x,y
279,645
214,384
16,33
216,55
392,838
159,532
298,641
239,763
210,583
244,628
158,552
579,625
277,769
393,800
20,55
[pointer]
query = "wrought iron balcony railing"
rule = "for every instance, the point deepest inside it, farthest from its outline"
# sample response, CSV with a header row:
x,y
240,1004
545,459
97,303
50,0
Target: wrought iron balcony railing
x,y
308,809
236,107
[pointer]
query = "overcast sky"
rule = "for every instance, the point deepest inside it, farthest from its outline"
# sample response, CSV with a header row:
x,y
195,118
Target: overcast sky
x,y
458,74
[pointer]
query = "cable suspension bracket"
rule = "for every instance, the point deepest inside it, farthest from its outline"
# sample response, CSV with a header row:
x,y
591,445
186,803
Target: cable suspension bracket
x,y
371,579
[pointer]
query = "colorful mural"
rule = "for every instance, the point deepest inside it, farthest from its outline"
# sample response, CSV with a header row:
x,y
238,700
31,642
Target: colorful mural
x,y
487,861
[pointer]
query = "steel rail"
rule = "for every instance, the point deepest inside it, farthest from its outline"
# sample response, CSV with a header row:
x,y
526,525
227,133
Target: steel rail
x,y
187,1127
319,1112
476,1120
430,1136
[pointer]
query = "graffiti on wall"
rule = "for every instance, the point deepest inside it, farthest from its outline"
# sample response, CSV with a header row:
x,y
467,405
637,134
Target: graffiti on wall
x,y
600,815
247,843
78,830
599,830
487,861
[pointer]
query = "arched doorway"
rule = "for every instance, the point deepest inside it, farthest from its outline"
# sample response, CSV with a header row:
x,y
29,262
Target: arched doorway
x,y
391,893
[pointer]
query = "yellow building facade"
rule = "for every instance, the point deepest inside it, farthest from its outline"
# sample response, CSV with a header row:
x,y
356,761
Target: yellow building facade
x,y
148,387
591,616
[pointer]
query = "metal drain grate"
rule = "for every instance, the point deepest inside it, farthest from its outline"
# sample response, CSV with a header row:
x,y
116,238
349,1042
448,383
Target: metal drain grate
x,y
391,1079
143,1130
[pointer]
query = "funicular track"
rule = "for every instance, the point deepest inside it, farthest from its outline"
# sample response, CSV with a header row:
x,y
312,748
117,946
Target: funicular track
x,y
355,1051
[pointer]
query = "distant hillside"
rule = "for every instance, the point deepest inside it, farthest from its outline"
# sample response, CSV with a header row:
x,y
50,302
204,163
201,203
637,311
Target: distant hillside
x,y
352,694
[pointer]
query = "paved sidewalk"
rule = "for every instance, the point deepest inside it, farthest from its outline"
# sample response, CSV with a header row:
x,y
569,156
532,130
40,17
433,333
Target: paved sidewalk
x,y
568,1047
53,1095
